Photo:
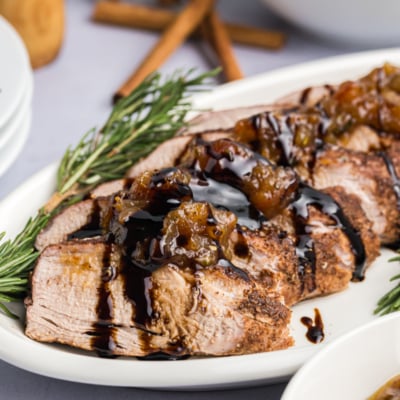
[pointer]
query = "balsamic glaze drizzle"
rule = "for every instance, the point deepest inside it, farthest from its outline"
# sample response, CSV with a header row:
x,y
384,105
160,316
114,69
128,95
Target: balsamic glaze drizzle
x,y
224,196
160,356
305,95
305,245
393,175
219,183
284,135
103,336
282,126
140,239
92,228
315,332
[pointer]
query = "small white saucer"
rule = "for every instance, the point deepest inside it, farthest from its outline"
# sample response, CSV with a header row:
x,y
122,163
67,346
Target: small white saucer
x,y
10,149
352,367
15,71
14,122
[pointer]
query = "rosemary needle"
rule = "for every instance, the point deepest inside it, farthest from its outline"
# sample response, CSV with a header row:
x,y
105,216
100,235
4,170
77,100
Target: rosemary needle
x,y
151,114
390,302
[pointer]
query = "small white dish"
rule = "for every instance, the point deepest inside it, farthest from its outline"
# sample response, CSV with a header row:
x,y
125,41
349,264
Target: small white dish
x,y
10,128
15,71
352,367
369,23
13,146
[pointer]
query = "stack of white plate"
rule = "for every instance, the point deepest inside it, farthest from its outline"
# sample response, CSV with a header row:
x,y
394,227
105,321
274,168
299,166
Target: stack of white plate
x,y
16,88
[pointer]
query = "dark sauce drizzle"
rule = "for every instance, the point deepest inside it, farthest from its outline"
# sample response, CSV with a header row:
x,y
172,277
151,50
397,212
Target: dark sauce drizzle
x,y
305,94
140,237
284,135
92,228
315,329
219,183
103,336
160,356
393,175
224,196
241,248
280,126
305,245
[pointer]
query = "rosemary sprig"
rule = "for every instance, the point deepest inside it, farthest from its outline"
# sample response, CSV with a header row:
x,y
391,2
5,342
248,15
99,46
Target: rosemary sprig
x,y
138,123
152,113
390,302
16,259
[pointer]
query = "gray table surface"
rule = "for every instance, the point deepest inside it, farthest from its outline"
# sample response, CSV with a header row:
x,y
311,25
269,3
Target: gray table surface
x,y
73,94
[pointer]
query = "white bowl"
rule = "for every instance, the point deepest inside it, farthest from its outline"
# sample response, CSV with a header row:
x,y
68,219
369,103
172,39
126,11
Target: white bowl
x,y
352,367
369,23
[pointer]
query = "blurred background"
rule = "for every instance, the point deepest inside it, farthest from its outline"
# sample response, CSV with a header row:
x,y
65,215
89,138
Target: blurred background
x,y
73,91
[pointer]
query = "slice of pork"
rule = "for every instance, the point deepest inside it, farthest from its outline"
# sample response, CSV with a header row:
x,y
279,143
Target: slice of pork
x,y
169,153
366,176
226,119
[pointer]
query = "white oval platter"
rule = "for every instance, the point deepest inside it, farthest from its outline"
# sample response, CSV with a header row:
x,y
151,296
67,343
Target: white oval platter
x,y
341,312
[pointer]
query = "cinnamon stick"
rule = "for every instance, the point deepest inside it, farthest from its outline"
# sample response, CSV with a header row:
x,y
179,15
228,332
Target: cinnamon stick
x,y
168,3
152,18
221,42
182,26
132,15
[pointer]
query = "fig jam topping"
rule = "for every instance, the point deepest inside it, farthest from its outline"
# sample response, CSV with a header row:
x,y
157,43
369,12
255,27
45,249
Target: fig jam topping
x,y
185,217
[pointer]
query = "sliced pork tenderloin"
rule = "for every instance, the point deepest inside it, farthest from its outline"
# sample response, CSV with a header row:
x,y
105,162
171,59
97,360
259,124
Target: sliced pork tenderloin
x,y
173,273
87,294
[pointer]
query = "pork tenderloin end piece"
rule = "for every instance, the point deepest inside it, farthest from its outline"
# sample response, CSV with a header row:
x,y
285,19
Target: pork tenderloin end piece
x,y
76,300
65,287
